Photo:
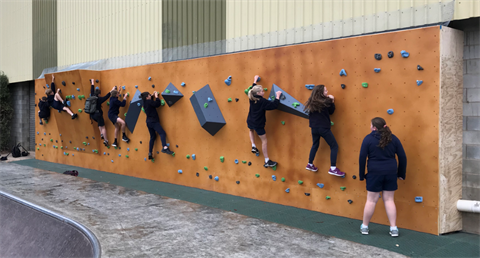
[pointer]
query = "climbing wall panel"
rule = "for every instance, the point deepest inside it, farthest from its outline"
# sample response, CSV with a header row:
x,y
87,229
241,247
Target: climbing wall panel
x,y
415,122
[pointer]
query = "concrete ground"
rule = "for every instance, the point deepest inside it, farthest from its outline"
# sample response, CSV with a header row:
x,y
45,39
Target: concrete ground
x,y
131,223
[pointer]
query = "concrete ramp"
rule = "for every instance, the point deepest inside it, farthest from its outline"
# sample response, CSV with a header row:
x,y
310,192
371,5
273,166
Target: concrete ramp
x,y
27,230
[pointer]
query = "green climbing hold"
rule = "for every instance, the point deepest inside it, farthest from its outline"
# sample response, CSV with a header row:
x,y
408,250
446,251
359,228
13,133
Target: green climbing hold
x,y
206,169
248,89
84,143
126,156
143,110
257,175
343,188
116,147
125,114
229,99
136,149
38,148
128,94
244,161
108,103
173,154
295,104
300,182
364,84
44,145
222,159
162,102
274,168
205,105
46,122
153,160
272,97
51,140
283,179
188,156
283,122
265,89
167,91
67,97
79,110
328,197
61,147
56,147
331,123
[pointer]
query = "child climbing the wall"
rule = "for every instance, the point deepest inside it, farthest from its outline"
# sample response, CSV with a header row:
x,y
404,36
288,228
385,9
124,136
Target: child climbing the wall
x,y
319,107
113,112
55,100
153,122
97,115
44,109
256,118
380,147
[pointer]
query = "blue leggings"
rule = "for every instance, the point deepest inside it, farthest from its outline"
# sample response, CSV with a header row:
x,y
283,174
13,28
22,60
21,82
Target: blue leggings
x,y
329,138
153,129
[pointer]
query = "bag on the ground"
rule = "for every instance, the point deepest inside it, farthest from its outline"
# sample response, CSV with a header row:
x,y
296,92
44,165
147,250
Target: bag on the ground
x,y
71,172
91,105
16,152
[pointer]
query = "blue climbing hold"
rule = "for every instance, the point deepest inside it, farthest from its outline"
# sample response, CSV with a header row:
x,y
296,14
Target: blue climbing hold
x,y
180,171
145,159
48,86
73,154
175,92
194,156
123,87
343,73
404,53
309,86
88,143
93,150
78,89
320,185
68,103
236,161
73,96
418,199
216,178
104,153
228,81
419,82
128,149
138,104
40,144
258,79
168,144
257,154
149,78
44,133
183,84
377,70
97,88
112,160
136,86
390,111
288,190
60,134
210,99
274,178
119,155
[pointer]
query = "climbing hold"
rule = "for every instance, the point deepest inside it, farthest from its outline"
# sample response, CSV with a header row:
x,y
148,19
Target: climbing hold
x,y
248,89
210,99
145,159
320,185
228,81
249,163
136,86
419,68
364,84
229,99
238,182
61,147
188,156
295,104
377,70
274,168
236,161
104,153
283,179
78,89
197,174
123,87
244,161
149,78
257,175
183,84
343,73
378,56
176,146
205,105
390,111
97,81
237,99
216,178
119,155
265,89
51,140
206,169
328,197
300,182
257,154
307,194
419,82
63,83
158,152
404,53
274,178
125,114
390,54
288,190
418,199
331,123
180,171
258,79
108,104
136,149
343,86
175,92
309,86
168,144
73,96
210,176
350,201
283,122
79,110
112,160
343,188
354,177
222,159
194,156
162,102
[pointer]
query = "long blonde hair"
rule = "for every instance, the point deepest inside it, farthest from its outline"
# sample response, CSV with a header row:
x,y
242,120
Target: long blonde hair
x,y
253,92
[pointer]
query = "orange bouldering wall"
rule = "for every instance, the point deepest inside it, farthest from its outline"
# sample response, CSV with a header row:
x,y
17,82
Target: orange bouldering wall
x,y
415,122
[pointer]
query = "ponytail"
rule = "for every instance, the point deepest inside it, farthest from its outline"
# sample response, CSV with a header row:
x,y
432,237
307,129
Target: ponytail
x,y
385,133
252,94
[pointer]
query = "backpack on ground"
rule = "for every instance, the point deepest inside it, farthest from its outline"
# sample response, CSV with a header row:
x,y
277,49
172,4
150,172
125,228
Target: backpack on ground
x,y
16,151
91,105
71,172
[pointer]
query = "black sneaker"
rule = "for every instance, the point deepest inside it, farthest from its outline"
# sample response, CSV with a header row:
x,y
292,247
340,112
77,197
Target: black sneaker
x,y
270,163
101,136
168,151
114,144
41,123
105,143
125,138
255,150
74,116
150,156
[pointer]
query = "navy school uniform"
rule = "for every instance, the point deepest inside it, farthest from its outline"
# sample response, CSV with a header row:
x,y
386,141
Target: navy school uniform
x,y
153,122
52,102
98,115
44,109
256,115
114,110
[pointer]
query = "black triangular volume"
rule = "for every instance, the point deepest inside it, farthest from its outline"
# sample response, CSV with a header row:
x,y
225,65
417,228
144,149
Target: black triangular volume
x,y
171,94
287,103
134,111
209,116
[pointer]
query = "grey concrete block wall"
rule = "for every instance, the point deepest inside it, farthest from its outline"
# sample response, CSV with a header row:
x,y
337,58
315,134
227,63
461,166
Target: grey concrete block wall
x,y
23,103
471,127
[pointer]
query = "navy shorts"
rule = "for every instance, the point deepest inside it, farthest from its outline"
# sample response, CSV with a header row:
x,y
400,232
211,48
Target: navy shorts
x,y
97,117
378,183
113,119
57,105
260,131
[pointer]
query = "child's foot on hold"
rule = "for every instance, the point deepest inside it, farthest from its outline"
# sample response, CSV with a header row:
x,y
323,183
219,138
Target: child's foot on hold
x,y
255,150
125,138
336,172
105,143
101,136
363,230
74,116
115,144
311,167
150,156
168,151
41,123
270,163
